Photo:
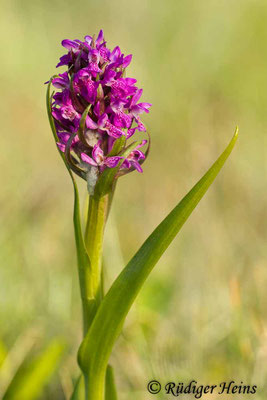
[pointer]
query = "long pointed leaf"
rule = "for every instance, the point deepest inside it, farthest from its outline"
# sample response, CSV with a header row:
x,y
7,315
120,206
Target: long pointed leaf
x,y
110,390
30,380
97,345
79,390
84,266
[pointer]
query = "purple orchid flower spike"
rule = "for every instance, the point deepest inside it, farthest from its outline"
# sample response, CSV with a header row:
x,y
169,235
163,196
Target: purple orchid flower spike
x,y
95,106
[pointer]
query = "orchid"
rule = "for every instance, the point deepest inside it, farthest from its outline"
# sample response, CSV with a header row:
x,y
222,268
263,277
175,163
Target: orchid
x,y
95,115
94,98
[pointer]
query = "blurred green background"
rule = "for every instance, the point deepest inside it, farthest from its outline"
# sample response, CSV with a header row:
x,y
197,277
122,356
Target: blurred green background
x,y
202,313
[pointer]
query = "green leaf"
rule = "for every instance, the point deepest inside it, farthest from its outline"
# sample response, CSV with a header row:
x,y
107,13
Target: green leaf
x,y
48,108
97,346
54,131
79,390
51,119
84,266
82,125
110,390
118,146
33,376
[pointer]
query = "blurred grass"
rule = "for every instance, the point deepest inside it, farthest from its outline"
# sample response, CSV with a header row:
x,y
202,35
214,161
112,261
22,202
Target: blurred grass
x,y
203,66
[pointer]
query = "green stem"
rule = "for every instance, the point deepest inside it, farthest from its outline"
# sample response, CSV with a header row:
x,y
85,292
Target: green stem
x,y
94,234
102,388
95,389
98,210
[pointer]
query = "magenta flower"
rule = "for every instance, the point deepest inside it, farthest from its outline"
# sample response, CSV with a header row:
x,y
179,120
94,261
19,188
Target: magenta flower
x,y
133,159
99,160
95,81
